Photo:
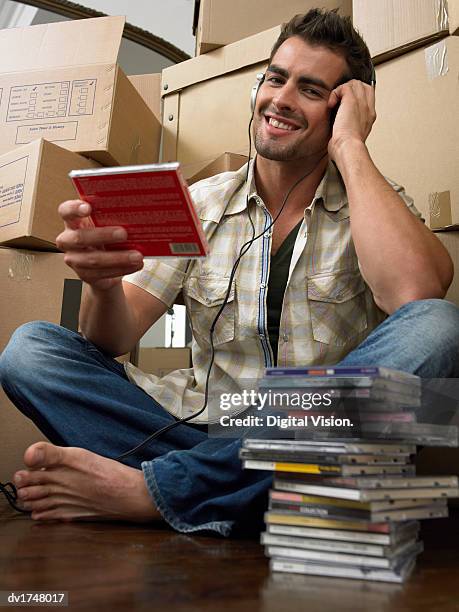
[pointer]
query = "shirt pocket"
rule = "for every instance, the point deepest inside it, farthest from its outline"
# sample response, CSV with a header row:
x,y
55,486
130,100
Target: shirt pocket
x,y
205,296
337,306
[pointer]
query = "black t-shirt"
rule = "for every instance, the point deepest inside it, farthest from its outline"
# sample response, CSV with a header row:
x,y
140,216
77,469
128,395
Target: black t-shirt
x,y
278,276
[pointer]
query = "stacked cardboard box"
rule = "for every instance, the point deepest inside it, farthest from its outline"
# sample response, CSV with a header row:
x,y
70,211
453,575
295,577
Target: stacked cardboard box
x,y
60,82
387,26
64,104
219,23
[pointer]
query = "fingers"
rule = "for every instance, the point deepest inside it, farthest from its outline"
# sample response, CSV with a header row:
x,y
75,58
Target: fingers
x,y
84,238
359,100
73,212
354,87
80,233
84,246
97,265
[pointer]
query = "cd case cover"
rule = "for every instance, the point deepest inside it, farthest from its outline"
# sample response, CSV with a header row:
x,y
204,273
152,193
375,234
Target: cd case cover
x,y
152,202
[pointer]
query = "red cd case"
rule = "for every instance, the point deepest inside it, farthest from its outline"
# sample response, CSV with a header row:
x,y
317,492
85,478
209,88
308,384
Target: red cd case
x,y
152,202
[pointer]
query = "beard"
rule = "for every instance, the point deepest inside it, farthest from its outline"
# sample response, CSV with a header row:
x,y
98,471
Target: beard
x,y
275,151
271,148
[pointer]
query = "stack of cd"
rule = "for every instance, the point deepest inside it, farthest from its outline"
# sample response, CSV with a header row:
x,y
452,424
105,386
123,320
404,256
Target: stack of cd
x,y
349,506
352,402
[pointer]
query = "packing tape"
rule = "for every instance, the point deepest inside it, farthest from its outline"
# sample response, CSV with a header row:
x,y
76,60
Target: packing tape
x,y
434,205
440,209
442,14
21,266
436,60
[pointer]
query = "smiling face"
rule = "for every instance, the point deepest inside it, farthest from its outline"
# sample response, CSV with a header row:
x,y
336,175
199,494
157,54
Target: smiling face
x,y
291,119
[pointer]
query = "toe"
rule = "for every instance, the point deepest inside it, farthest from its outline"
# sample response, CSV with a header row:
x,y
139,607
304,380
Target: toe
x,y
38,492
43,455
46,503
63,513
25,479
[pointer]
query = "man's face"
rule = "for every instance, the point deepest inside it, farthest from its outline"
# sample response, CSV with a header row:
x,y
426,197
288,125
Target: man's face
x,y
291,119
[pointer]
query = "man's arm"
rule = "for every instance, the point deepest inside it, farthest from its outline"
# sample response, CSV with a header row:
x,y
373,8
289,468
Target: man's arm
x,y
400,258
114,315
116,319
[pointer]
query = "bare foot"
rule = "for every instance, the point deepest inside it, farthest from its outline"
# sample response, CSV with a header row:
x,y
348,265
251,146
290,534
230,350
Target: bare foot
x,y
68,484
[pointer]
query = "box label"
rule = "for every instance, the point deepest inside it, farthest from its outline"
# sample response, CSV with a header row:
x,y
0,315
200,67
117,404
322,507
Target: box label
x,y
50,131
12,180
82,99
38,101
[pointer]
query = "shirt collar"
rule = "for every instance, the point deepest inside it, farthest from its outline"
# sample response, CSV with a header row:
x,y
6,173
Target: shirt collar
x,y
330,191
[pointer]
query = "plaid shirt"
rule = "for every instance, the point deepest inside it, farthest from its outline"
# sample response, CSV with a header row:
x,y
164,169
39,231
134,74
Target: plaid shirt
x,y
327,311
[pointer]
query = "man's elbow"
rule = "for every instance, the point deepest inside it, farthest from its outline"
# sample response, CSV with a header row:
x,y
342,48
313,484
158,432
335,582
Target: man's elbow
x,y
392,303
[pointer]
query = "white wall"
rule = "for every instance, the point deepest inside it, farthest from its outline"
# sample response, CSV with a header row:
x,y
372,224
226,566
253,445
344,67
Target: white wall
x,y
168,19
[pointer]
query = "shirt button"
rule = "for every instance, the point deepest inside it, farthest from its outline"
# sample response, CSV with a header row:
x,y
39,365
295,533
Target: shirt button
x,y
285,337
262,285
262,336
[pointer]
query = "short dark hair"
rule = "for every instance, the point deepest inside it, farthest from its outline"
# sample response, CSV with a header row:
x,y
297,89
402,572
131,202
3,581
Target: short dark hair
x,y
328,29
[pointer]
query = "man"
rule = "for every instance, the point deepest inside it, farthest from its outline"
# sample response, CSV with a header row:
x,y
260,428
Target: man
x,y
347,250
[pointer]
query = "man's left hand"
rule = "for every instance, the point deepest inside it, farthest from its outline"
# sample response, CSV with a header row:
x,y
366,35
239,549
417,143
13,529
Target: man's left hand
x,y
356,114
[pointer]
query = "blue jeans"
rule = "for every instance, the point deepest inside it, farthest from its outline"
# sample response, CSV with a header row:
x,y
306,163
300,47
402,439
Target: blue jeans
x,y
80,397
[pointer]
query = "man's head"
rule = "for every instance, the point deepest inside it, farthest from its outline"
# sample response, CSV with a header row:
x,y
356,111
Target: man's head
x,y
314,54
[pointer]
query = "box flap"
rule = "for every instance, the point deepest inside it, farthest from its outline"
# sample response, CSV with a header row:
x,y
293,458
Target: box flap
x,y
67,43
245,52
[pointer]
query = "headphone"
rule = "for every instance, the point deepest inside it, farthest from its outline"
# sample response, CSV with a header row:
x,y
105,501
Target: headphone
x,y
254,92
261,78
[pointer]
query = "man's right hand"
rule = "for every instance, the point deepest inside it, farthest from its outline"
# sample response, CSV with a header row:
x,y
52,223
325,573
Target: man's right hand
x,y
84,248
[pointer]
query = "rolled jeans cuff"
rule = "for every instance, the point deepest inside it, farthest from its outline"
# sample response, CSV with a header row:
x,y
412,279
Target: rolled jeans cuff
x,y
152,473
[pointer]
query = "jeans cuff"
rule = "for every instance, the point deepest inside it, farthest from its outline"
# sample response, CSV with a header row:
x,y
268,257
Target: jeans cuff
x,y
221,527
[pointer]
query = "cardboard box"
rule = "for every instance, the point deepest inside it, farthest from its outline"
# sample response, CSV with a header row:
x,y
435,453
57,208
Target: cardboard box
x,y
161,361
442,211
393,27
33,286
221,22
33,182
224,163
415,139
210,90
149,87
60,81
453,16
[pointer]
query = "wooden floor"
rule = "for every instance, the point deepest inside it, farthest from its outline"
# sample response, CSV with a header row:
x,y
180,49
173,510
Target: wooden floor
x,y
125,567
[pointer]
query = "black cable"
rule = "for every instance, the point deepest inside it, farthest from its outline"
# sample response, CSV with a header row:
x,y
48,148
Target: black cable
x,y
165,429
9,491
243,250
11,496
